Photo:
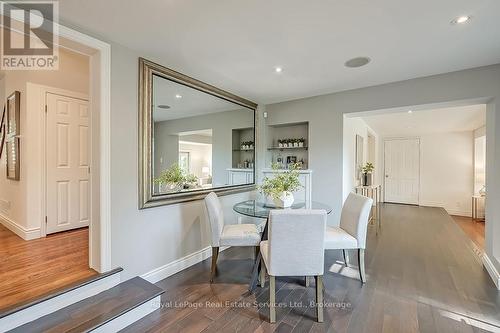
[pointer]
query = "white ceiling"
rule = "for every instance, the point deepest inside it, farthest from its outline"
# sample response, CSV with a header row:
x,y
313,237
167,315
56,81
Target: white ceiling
x,y
236,44
454,119
192,102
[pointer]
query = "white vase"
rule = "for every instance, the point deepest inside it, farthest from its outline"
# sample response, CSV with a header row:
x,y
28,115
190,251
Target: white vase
x,y
285,200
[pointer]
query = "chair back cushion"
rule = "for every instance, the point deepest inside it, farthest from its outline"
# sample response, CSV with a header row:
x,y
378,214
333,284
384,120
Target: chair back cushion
x,y
296,242
215,217
355,215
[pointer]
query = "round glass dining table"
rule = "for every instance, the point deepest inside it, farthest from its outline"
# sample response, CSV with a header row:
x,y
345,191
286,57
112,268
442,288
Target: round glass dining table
x,y
259,209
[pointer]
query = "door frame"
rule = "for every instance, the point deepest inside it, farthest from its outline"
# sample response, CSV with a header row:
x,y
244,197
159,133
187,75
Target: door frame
x,y
419,165
99,97
43,152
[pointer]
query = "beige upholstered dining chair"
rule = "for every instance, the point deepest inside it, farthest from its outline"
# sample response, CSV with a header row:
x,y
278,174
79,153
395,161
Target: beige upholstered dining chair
x,y
295,248
351,234
227,235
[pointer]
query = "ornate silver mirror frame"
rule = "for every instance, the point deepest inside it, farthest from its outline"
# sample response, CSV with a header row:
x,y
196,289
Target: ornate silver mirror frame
x,y
147,197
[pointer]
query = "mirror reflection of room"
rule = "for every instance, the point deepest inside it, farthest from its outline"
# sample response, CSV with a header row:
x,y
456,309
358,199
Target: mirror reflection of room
x,y
200,141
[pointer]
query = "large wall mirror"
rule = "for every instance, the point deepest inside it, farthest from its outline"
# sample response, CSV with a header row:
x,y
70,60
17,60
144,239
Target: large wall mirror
x,y
194,138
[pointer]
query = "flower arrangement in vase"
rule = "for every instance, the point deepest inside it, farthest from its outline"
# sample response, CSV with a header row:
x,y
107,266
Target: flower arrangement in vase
x,y
367,173
280,187
175,179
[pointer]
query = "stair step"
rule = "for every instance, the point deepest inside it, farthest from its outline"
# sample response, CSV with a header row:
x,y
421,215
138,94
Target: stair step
x,y
98,310
29,311
58,292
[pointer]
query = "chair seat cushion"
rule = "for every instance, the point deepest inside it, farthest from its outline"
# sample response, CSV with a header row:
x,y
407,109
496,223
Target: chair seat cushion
x,y
338,239
240,235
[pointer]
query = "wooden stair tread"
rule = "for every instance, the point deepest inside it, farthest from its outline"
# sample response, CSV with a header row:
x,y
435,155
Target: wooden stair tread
x,y
96,310
54,293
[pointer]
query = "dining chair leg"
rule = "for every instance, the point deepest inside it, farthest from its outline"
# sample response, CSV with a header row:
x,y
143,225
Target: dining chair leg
x,y
272,299
262,276
307,281
361,264
346,257
319,297
215,254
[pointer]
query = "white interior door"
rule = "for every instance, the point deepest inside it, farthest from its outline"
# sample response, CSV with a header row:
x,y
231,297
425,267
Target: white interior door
x,y
67,163
402,170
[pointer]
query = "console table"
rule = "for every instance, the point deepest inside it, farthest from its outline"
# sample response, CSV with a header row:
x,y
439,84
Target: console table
x,y
375,193
476,199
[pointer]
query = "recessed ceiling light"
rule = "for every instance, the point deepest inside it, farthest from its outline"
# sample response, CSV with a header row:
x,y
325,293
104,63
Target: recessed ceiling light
x,y
163,106
178,96
461,20
357,62
410,112
278,69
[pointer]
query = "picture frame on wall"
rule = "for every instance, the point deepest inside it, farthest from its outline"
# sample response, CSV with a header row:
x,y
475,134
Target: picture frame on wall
x,y
2,131
13,164
13,114
359,157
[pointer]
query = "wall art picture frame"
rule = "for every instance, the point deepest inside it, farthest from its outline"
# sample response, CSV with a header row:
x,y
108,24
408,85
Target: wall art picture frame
x,y
2,131
13,113
13,163
358,163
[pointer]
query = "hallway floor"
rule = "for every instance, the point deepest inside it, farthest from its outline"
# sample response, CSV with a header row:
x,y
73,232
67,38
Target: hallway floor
x,y
31,269
421,278
473,229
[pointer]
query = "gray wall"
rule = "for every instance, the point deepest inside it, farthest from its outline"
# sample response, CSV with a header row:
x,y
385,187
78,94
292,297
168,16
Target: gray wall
x,y
221,123
142,240
325,116
147,239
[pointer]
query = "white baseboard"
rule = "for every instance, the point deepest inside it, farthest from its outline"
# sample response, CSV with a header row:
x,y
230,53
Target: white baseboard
x,y
178,265
130,317
495,276
53,304
457,212
451,211
24,233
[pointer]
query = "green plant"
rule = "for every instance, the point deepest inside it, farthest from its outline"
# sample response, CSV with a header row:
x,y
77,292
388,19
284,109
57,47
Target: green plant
x,y
285,181
175,176
368,168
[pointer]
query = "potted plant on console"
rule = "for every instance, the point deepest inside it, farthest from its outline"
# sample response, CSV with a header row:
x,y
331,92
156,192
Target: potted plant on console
x,y
280,188
367,171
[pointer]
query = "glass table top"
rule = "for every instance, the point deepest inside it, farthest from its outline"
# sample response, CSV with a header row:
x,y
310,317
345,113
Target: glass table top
x,y
259,209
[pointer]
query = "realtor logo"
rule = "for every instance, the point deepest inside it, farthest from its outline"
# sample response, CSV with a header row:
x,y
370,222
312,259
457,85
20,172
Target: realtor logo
x,y
29,36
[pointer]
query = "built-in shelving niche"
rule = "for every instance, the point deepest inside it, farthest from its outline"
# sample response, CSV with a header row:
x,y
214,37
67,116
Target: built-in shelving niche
x,y
287,131
241,155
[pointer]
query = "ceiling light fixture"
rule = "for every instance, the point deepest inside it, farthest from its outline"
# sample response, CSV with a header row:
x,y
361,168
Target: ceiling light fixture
x,y
410,112
278,69
178,96
357,62
461,20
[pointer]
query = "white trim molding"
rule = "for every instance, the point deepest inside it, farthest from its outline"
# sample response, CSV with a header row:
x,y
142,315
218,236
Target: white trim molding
x,y
178,265
492,271
24,233
100,98
48,306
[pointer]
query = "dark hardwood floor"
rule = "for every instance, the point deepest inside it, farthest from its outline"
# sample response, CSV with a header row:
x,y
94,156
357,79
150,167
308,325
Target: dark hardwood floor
x,y
422,277
32,269
473,229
